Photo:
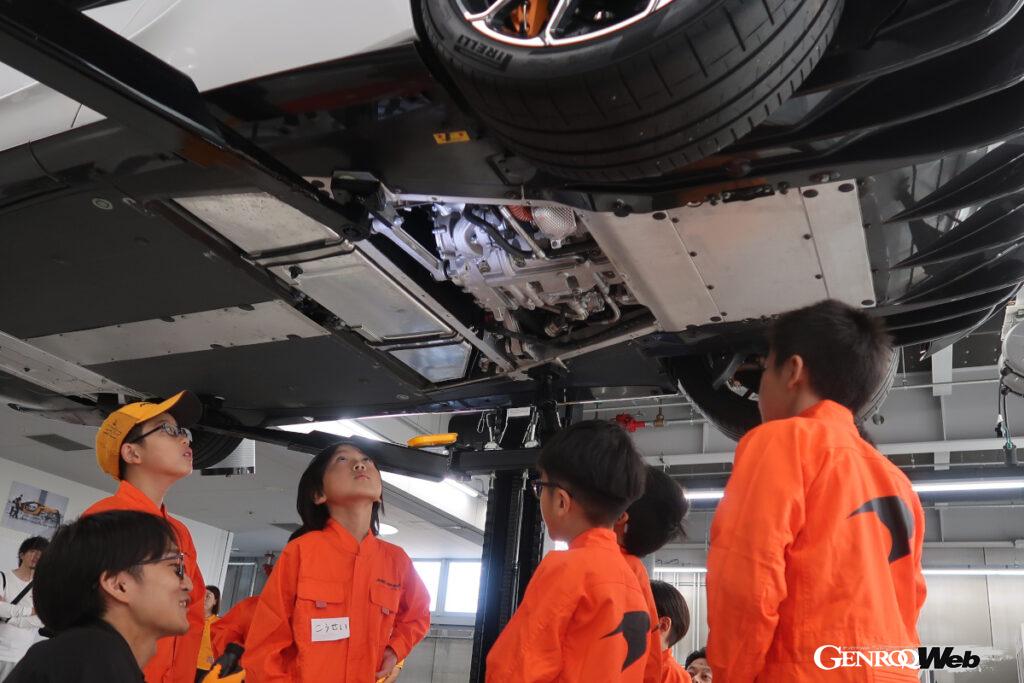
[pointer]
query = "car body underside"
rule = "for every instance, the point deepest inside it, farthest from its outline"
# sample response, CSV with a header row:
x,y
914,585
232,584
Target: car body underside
x,y
346,239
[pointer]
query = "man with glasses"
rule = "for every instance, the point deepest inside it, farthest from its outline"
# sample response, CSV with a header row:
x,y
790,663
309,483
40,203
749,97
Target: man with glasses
x,y
110,587
147,448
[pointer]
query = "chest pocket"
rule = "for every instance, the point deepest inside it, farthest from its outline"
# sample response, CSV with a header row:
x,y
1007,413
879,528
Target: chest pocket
x,y
384,602
317,600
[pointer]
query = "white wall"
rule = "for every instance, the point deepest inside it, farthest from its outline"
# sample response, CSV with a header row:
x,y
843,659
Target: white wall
x,y
213,545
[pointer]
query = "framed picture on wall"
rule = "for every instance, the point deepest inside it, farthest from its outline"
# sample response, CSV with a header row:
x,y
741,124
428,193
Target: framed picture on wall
x,y
33,510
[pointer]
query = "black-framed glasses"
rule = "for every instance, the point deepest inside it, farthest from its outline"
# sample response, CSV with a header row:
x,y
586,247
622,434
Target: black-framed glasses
x,y
178,559
170,430
539,485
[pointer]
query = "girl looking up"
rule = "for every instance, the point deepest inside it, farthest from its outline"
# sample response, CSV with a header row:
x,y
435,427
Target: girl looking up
x,y
341,605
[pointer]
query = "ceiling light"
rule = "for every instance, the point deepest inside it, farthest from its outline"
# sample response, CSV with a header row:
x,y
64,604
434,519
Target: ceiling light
x,y
707,494
951,486
952,571
387,530
341,428
923,487
680,570
468,490
979,571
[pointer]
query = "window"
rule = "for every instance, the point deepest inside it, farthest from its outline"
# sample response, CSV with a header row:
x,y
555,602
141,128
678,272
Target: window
x,y
462,587
430,573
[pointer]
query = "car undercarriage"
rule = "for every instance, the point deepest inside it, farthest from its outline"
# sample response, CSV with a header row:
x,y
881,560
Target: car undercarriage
x,y
350,238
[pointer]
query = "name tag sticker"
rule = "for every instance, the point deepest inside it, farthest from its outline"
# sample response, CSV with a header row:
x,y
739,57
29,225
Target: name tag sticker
x,y
330,629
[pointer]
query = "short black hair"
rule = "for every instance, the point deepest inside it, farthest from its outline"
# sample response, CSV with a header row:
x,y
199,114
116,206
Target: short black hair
x,y
311,484
656,517
216,595
66,590
31,543
669,603
845,350
598,465
694,656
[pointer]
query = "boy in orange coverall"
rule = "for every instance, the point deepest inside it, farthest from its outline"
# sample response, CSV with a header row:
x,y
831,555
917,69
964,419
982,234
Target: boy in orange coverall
x,y
673,623
147,448
651,521
817,541
583,617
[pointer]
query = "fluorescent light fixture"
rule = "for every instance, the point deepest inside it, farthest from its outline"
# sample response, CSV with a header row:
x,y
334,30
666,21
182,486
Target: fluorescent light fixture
x,y
951,486
680,570
706,494
387,530
979,571
925,487
561,545
339,427
468,490
952,571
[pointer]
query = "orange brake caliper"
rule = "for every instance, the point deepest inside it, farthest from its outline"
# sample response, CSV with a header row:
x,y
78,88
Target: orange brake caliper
x,y
529,18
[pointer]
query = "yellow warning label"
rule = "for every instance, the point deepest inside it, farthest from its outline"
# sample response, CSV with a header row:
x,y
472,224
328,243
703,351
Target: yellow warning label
x,y
451,136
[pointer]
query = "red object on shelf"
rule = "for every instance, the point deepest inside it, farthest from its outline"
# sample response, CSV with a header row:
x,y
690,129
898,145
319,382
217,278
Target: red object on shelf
x,y
629,423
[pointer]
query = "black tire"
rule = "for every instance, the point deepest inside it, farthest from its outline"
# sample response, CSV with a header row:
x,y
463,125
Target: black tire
x,y
734,415
209,449
662,93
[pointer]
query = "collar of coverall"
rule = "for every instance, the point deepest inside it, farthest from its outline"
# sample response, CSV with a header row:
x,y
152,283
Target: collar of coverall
x,y
595,538
829,410
142,502
349,541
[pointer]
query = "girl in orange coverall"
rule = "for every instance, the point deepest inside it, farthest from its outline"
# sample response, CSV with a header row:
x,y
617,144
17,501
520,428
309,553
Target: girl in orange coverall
x,y
341,605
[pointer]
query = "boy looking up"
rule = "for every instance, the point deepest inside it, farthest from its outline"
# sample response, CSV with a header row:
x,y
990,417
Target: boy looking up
x,y
583,616
818,538
147,448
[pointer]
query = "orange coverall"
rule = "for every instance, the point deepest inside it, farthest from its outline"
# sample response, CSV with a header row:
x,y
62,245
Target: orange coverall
x,y
322,579
816,542
175,658
583,619
671,670
233,626
652,670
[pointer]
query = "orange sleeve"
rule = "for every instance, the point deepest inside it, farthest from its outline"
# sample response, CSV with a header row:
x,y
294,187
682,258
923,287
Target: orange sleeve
x,y
653,666
233,627
413,619
185,651
921,589
758,518
270,647
529,649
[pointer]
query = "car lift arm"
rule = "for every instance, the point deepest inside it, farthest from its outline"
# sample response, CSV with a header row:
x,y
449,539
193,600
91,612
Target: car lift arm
x,y
93,65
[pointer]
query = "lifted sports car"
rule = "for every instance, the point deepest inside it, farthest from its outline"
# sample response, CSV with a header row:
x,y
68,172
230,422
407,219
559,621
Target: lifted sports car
x,y
341,209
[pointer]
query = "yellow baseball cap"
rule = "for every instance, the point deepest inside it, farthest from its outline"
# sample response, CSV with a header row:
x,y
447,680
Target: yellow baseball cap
x,y
183,406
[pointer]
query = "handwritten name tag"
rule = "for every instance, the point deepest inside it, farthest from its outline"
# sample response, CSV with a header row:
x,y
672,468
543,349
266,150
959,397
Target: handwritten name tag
x,y
330,629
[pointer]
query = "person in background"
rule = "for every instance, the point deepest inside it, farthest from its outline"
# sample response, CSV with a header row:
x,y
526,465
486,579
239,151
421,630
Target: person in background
x,y
644,528
697,666
146,447
234,626
341,605
673,623
583,617
19,625
211,608
110,586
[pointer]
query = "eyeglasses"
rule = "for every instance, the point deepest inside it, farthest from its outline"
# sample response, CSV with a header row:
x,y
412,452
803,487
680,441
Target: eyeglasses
x,y
177,558
538,486
170,430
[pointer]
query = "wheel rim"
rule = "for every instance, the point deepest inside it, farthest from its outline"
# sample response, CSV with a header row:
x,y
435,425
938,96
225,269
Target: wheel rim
x,y
554,23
